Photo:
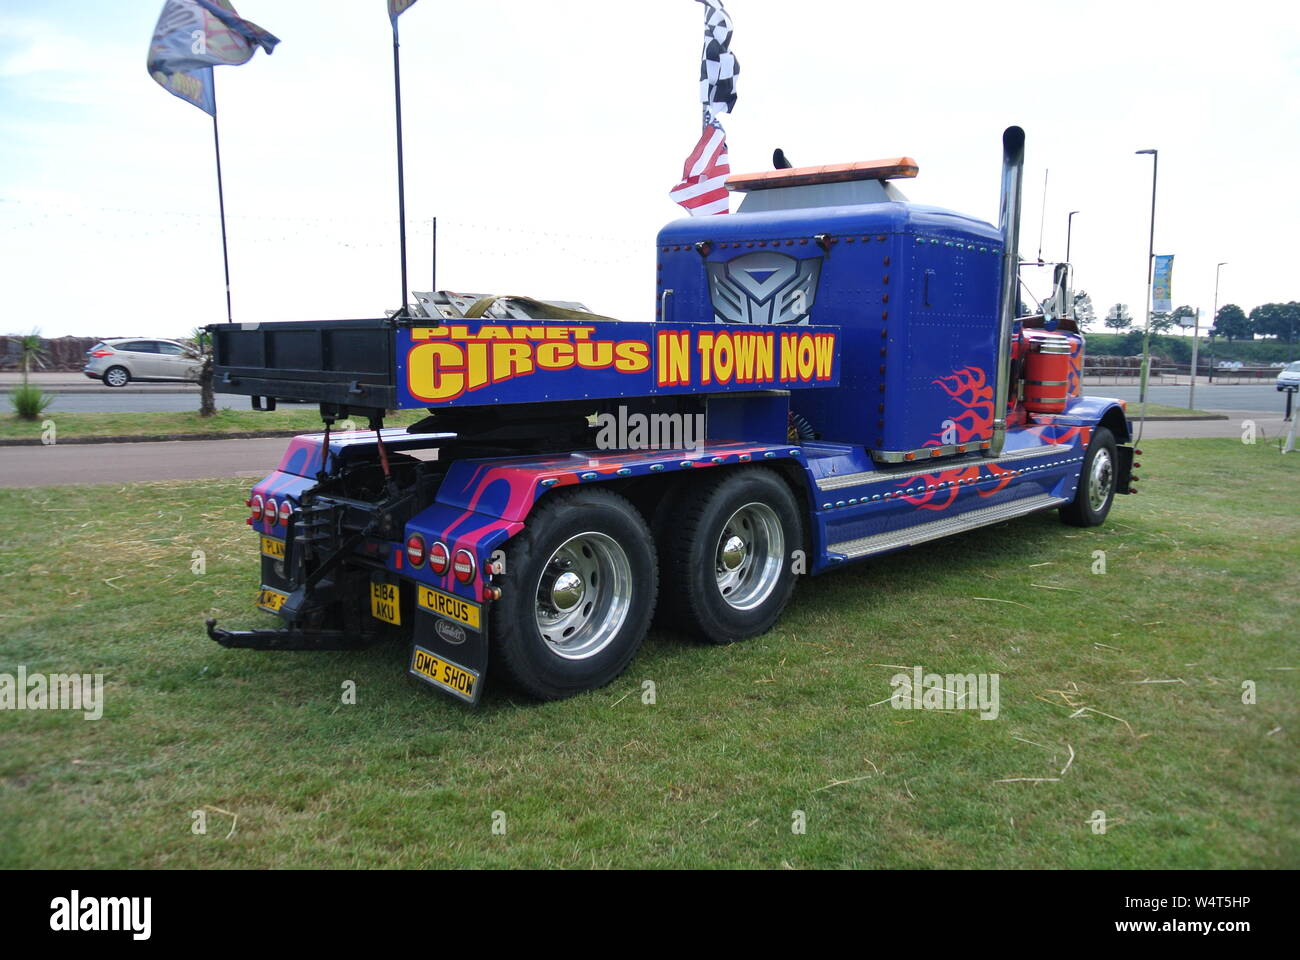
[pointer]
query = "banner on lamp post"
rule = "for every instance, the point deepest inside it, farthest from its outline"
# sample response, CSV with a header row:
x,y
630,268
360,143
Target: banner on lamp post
x,y
1161,299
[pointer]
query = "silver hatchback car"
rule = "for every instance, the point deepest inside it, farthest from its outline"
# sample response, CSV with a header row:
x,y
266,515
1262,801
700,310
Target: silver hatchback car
x,y
117,362
1289,378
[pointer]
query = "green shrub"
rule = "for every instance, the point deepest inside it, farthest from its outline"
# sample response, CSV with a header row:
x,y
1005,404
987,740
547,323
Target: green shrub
x,y
28,401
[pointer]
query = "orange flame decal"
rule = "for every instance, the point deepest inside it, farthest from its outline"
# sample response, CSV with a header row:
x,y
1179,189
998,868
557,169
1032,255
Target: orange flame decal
x,y
970,388
996,471
926,500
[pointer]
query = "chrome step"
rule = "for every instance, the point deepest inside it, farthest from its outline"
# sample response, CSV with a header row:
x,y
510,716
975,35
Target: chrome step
x,y
921,466
934,529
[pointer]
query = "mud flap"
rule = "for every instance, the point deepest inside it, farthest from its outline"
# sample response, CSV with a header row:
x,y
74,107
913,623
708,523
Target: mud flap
x,y
450,651
1124,470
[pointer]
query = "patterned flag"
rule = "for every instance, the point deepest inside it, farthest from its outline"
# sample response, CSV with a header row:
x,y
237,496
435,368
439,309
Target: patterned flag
x,y
718,66
398,7
193,36
703,188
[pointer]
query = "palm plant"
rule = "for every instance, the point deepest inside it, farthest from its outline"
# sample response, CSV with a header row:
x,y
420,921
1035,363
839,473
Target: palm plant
x,y
202,349
28,401
33,352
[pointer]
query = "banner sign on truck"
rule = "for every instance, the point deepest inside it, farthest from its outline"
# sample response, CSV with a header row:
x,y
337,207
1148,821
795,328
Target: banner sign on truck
x,y
487,362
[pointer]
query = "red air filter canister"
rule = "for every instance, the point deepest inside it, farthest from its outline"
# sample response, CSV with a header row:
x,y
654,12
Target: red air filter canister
x,y
1047,369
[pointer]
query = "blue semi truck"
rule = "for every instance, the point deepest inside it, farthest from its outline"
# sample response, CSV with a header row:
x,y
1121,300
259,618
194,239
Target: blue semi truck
x,y
833,373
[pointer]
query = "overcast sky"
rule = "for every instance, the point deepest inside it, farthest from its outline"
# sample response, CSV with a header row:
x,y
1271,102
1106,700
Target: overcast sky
x,y
545,137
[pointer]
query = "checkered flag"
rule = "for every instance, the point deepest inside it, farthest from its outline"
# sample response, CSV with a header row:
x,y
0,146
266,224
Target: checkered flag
x,y
718,66
703,187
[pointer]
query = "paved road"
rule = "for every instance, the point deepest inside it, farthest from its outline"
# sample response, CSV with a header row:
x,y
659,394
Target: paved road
x,y
1267,426
1222,398
198,459
75,393
69,463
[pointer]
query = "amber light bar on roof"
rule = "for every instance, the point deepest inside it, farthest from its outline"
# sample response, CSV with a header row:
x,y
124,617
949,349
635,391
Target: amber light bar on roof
x,y
896,168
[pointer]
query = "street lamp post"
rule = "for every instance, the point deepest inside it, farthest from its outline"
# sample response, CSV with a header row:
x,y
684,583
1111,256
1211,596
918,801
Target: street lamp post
x,y
1214,320
1196,340
1069,226
1151,259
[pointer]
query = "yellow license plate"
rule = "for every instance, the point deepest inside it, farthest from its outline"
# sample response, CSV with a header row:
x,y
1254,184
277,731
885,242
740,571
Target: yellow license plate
x,y
271,600
273,548
453,608
384,603
452,678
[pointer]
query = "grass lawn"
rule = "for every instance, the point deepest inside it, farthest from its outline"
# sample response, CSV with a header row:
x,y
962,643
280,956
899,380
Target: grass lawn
x,y
165,423
1167,412
1200,589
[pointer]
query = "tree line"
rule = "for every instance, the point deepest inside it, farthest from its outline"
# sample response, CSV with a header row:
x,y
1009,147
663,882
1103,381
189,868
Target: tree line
x,y
1277,321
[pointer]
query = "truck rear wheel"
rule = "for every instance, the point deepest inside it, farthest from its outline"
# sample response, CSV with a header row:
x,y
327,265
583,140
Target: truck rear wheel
x,y
727,557
578,593
1096,491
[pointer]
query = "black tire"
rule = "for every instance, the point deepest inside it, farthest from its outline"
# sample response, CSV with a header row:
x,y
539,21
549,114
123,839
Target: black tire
x,y
121,374
574,533
707,598
1096,493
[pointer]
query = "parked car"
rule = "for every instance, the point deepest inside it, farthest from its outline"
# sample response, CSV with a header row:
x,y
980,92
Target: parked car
x,y
1289,378
117,362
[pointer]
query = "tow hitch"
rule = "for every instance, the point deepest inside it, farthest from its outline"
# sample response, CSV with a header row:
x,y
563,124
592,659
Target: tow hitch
x,y
289,638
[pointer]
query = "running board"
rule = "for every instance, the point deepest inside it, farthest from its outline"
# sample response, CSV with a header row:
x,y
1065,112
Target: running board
x,y
934,529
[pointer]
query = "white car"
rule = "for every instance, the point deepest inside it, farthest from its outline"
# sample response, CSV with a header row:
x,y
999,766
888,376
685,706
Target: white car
x,y
1289,378
117,362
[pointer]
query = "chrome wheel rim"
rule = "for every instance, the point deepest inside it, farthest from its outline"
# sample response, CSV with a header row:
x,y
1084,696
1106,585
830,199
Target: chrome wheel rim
x,y
115,378
583,596
1100,479
749,554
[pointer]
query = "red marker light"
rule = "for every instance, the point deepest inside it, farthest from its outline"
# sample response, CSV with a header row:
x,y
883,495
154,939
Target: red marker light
x,y
464,565
415,549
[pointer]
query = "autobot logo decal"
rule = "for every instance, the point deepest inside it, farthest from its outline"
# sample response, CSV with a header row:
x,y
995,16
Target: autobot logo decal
x,y
764,288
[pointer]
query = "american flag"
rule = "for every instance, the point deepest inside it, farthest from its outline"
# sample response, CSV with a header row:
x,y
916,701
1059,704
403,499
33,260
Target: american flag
x,y
703,189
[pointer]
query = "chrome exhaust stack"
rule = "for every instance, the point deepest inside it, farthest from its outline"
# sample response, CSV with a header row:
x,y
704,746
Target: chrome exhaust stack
x,y
1013,166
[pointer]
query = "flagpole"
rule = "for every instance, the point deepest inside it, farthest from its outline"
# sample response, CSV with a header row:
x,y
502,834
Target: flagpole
x,y
221,199
401,183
